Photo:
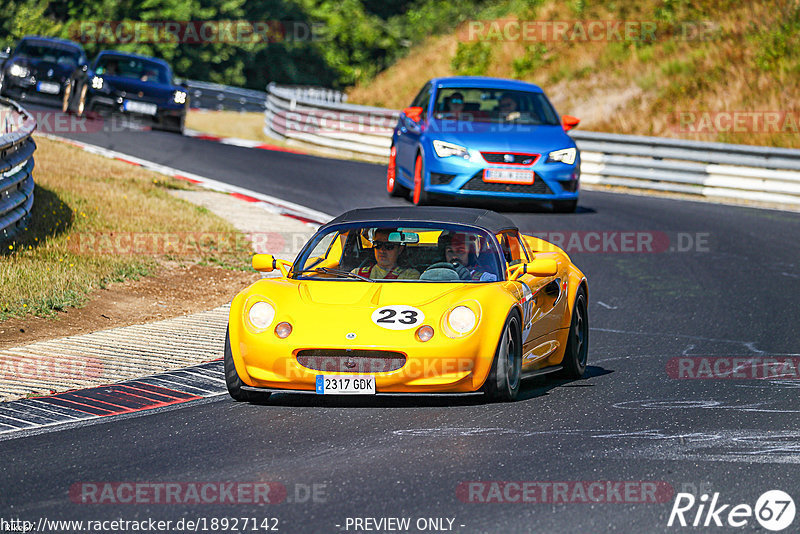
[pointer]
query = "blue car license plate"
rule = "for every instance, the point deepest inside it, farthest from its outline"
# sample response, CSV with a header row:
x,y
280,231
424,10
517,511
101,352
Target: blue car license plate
x,y
509,176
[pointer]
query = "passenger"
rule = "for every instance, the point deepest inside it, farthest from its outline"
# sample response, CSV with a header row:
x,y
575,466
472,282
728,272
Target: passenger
x,y
386,256
455,104
461,250
508,104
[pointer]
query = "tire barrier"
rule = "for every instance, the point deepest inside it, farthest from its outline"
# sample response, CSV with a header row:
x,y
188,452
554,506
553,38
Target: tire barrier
x,y
16,168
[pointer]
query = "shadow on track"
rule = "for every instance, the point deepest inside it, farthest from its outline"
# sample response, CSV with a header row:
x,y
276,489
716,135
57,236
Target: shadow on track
x,y
531,389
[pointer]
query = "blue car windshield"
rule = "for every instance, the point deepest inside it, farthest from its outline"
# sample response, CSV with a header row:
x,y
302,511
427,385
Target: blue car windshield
x,y
134,68
398,252
45,52
475,104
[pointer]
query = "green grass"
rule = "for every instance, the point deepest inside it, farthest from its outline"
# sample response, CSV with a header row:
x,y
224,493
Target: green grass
x,y
82,201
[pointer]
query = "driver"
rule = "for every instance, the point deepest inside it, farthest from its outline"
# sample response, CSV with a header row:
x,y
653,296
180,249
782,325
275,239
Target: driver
x,y
386,255
461,250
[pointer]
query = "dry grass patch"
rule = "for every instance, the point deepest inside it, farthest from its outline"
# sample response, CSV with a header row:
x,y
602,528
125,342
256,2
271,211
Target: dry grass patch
x,y
245,125
87,212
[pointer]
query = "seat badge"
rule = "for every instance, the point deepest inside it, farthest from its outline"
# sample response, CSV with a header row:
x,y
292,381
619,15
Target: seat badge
x,y
351,335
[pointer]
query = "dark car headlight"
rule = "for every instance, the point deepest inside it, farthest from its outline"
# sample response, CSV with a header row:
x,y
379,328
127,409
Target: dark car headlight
x,y
19,71
97,82
179,97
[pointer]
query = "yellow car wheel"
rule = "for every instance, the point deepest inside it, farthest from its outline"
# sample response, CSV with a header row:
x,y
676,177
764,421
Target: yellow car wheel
x,y
575,355
235,383
504,379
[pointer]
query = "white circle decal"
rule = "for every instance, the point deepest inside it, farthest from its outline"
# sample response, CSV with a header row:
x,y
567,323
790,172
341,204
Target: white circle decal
x,y
775,510
397,317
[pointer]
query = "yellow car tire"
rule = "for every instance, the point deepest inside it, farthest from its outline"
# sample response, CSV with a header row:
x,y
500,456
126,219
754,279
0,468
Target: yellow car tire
x,y
577,350
503,382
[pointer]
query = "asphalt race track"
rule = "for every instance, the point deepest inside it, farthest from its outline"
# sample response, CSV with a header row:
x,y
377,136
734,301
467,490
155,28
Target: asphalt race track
x,y
705,281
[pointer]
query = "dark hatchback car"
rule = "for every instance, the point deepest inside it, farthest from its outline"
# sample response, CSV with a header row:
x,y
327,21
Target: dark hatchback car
x,y
129,84
38,69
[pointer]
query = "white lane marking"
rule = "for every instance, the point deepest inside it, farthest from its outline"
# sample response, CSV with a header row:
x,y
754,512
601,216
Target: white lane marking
x,y
608,307
750,345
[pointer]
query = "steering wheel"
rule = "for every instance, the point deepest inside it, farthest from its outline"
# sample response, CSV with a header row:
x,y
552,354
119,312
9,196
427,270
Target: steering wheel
x,y
462,272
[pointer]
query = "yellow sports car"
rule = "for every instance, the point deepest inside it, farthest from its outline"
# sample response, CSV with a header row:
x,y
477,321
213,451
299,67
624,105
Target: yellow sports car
x,y
392,300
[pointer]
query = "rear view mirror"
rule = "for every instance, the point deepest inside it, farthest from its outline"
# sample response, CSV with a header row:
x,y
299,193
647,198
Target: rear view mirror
x,y
403,237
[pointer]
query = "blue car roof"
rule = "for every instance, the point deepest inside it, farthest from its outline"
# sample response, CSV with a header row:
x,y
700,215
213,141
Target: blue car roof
x,y
486,81
53,41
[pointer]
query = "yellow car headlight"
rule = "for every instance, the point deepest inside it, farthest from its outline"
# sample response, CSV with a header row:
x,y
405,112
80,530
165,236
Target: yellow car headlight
x,y
461,319
261,314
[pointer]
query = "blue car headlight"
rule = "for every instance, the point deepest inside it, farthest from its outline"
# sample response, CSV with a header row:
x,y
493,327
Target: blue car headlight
x,y
566,155
179,97
444,150
97,82
19,71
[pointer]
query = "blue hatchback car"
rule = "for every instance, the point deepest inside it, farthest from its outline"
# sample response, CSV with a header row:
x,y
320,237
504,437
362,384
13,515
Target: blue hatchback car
x,y
484,138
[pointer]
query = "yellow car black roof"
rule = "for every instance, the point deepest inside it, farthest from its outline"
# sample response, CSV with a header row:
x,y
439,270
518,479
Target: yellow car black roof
x,y
486,219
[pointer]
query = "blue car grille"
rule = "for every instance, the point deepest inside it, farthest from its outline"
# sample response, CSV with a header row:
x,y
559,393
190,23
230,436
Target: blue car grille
x,y
538,187
351,361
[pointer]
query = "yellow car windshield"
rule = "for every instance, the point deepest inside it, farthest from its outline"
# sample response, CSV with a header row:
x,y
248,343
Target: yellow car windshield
x,y
397,253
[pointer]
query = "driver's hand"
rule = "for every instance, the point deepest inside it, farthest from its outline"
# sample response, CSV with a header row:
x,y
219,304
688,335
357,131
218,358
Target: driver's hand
x,y
463,272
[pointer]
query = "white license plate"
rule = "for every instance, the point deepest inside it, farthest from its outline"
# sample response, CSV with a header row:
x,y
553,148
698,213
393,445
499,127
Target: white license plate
x,y
140,107
508,176
48,87
345,385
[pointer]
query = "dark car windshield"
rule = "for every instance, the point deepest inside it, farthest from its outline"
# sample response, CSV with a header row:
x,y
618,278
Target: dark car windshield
x,y
475,104
400,252
45,52
134,68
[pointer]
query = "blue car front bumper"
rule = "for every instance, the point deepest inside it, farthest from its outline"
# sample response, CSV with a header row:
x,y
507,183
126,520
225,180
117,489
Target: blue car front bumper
x,y
455,176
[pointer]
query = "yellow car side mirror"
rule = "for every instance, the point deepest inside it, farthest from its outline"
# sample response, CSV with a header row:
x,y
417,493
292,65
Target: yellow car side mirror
x,y
542,267
266,263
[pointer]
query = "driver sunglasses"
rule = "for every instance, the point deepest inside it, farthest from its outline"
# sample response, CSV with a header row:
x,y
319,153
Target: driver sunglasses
x,y
385,245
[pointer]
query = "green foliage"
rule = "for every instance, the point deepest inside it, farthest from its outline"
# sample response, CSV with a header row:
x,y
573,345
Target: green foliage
x,y
533,59
777,47
472,59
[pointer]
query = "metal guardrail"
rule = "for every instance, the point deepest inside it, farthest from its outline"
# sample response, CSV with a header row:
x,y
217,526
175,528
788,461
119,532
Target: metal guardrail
x,y
205,95
16,168
320,118
651,163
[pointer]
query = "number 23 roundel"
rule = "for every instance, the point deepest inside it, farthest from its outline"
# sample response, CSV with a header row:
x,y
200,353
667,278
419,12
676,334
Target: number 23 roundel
x,y
397,317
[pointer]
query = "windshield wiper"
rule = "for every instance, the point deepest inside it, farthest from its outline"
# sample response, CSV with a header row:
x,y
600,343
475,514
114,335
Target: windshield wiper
x,y
329,270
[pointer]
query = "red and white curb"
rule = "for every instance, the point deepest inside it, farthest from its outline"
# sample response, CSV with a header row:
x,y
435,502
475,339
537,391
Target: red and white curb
x,y
270,203
236,141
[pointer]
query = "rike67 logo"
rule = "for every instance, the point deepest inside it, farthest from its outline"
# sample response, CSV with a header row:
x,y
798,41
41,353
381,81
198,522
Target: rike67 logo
x,y
774,510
